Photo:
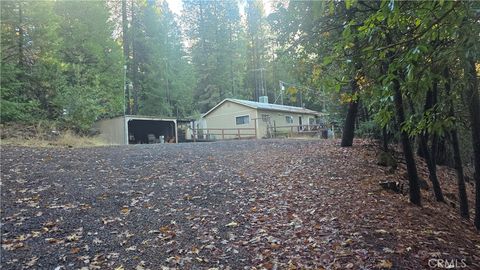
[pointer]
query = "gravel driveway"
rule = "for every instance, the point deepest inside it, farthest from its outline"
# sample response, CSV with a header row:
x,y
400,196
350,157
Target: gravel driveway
x,y
264,204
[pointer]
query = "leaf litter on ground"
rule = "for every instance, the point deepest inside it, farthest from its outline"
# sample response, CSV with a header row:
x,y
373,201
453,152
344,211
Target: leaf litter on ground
x,y
264,204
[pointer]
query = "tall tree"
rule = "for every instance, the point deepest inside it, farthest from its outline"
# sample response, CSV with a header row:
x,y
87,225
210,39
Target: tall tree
x,y
462,192
66,63
91,64
126,55
257,50
168,79
213,30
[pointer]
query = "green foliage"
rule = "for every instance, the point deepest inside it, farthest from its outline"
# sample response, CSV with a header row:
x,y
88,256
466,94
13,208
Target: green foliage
x,y
332,43
80,107
64,63
368,129
64,60
167,79
218,50
19,112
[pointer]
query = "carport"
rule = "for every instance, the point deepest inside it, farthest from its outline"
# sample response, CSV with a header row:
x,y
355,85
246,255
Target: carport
x,y
133,129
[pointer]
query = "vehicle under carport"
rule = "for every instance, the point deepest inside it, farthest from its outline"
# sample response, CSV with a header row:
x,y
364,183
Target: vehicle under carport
x,y
132,129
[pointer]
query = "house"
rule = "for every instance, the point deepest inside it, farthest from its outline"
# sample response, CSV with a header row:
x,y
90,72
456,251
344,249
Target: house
x,y
236,118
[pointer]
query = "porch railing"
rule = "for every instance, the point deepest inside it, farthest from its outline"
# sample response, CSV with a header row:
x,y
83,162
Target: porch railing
x,y
290,130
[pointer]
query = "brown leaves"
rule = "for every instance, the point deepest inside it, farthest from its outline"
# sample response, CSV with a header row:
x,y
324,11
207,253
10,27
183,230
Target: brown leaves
x,y
232,224
32,261
274,246
384,264
195,250
263,204
11,244
167,233
54,241
125,210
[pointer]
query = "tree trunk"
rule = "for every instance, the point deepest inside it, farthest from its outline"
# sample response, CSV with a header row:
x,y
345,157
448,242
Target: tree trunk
x,y
349,127
430,156
414,188
413,182
126,54
432,170
423,139
134,70
20,36
421,145
462,193
385,139
474,107
385,135
21,54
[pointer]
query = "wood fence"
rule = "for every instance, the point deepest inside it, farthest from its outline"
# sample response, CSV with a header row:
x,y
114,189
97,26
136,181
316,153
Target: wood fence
x,y
279,131
212,134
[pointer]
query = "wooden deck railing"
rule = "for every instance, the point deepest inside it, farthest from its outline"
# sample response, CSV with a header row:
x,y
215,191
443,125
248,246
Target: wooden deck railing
x,y
297,129
211,134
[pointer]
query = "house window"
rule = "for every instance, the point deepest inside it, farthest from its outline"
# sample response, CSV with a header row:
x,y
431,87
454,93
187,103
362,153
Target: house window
x,y
311,121
242,120
289,119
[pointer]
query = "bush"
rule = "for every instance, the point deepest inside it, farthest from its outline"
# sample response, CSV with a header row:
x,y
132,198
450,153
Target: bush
x,y
368,129
26,112
81,108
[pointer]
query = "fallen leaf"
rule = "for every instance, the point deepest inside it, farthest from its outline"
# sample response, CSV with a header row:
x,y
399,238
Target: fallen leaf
x,y
32,261
384,264
232,224
125,210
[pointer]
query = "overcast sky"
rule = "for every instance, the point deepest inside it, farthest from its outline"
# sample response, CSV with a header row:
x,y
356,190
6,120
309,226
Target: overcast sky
x,y
176,6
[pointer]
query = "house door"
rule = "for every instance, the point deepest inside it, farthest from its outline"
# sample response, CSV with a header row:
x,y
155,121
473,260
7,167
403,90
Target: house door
x,y
300,128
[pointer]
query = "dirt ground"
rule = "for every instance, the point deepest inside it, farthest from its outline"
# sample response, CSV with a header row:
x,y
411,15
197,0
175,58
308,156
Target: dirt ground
x,y
259,204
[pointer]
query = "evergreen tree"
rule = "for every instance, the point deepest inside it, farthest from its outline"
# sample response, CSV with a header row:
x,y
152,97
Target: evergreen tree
x,y
91,64
167,81
213,28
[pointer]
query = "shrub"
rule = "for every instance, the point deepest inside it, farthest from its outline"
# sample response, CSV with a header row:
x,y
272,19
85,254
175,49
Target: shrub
x,y
24,112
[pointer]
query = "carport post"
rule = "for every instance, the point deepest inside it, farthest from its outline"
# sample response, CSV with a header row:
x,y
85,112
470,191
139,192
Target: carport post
x,y
176,131
194,133
125,130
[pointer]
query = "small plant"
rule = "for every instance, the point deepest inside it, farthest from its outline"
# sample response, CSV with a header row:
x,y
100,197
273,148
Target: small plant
x,y
368,129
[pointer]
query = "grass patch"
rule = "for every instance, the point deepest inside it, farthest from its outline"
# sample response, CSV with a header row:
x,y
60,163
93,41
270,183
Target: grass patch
x,y
66,139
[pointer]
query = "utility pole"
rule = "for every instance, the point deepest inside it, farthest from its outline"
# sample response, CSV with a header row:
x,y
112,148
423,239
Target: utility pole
x,y
125,94
125,90
126,55
282,89
167,93
260,87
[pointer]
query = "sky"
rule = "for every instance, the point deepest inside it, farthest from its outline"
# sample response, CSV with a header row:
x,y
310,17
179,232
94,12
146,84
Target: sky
x,y
176,6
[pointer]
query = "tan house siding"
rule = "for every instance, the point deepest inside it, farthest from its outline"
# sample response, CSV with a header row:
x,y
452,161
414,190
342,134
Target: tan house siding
x,y
224,117
278,119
